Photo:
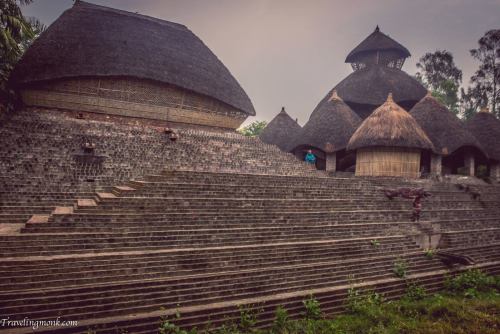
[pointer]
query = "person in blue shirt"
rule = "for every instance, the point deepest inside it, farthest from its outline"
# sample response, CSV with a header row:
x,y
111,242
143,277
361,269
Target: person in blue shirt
x,y
310,157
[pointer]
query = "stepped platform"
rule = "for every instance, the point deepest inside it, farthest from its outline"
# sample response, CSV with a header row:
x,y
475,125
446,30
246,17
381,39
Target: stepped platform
x,y
205,225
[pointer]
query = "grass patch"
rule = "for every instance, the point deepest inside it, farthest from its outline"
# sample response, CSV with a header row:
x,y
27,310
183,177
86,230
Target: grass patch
x,y
469,305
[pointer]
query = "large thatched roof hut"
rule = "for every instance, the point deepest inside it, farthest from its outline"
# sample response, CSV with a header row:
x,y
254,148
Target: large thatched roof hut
x,y
452,141
444,129
389,143
486,128
329,129
99,59
280,131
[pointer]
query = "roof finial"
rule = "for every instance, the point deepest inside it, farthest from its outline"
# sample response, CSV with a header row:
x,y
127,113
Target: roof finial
x,y
485,109
429,93
334,96
377,29
389,98
282,110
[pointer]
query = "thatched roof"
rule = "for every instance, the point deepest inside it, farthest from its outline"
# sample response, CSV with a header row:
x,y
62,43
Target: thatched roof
x,y
486,128
390,126
370,87
377,42
444,129
280,131
92,40
331,127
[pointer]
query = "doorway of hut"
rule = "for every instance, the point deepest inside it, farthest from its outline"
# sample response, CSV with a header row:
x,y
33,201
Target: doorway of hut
x,y
301,151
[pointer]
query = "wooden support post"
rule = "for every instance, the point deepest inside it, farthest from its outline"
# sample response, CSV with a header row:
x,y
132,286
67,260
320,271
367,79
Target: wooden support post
x,y
469,163
495,171
436,164
331,162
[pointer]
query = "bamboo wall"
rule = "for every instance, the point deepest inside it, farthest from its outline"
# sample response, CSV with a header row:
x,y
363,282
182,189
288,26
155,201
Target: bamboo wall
x,y
134,98
388,162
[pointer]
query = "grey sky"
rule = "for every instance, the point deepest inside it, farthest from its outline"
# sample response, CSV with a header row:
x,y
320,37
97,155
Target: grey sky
x,y
290,52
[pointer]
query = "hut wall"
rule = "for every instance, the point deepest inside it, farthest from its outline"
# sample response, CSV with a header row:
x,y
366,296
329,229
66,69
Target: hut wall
x,y
436,164
133,98
331,162
469,163
388,162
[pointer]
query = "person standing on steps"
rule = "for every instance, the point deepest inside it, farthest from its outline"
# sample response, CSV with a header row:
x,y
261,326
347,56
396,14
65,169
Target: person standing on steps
x,y
310,157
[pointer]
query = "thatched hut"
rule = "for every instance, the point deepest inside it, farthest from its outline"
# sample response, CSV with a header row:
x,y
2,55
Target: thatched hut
x,y
454,145
280,131
104,60
389,143
486,128
378,48
377,63
328,131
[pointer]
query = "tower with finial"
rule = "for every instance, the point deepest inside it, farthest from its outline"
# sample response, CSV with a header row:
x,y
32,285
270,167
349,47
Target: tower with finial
x,y
378,49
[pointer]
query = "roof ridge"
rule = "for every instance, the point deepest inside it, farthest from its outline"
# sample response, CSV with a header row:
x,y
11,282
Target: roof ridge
x,y
85,4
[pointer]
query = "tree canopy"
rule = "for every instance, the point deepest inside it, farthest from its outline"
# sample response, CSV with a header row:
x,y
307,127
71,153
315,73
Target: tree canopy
x,y
486,80
438,72
253,129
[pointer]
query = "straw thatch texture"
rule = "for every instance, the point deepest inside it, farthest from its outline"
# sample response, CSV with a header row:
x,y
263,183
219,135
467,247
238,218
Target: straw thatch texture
x,y
486,128
280,131
370,87
443,128
91,40
389,126
377,48
330,128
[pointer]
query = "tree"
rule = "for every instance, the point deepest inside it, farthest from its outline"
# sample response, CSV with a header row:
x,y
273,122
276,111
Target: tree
x,y
486,80
253,129
16,34
438,72
471,101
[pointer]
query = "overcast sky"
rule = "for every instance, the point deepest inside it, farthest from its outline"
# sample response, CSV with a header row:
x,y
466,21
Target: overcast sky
x,y
291,52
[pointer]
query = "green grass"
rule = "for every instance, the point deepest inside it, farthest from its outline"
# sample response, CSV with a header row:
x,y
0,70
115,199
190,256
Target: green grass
x,y
469,305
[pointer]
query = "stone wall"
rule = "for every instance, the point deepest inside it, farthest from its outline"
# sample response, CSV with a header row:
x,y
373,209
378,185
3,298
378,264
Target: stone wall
x,y
43,150
133,98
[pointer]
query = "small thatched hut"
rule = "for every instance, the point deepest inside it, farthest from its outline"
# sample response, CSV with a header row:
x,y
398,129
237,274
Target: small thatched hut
x,y
454,145
377,63
329,130
389,143
104,60
486,128
280,131
378,48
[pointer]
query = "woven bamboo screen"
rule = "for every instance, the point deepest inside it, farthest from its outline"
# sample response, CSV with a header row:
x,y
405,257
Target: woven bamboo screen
x,y
388,162
141,91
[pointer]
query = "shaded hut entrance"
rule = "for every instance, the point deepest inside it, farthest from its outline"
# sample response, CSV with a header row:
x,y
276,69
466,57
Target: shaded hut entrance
x,y
463,161
388,161
301,151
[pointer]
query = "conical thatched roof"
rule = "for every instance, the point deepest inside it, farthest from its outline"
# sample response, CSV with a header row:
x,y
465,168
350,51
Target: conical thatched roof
x,y
91,40
371,85
280,131
390,126
443,128
377,41
486,128
330,127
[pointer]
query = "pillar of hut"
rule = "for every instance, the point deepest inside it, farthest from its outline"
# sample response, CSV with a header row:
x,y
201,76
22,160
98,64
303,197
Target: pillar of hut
x,y
331,162
469,163
495,171
436,164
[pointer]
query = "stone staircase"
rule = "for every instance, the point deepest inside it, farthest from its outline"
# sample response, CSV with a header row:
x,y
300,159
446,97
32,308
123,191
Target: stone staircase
x,y
204,243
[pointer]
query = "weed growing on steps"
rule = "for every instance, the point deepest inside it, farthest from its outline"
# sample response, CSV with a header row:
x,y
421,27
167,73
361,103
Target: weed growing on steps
x,y
453,311
400,268
430,253
375,243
